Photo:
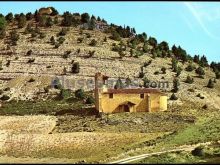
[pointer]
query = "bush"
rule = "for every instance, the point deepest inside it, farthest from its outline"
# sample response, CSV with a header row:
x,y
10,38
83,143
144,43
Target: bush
x,y
141,74
2,33
8,63
33,34
29,52
31,60
198,151
178,71
61,40
200,71
93,43
64,93
75,67
217,75
175,85
173,97
57,45
52,40
63,32
121,54
90,100
189,80
21,21
80,94
46,89
205,106
156,72
56,84
91,53
79,40
14,36
115,36
5,97
189,68
67,54
42,35
163,69
31,80
210,84
7,89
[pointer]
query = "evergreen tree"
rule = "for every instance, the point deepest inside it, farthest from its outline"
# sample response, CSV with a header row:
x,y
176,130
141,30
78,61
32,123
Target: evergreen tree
x,y
9,17
85,18
175,85
210,84
119,84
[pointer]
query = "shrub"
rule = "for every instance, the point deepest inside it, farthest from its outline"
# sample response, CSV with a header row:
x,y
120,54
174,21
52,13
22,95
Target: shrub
x,y
189,80
8,63
80,94
14,36
119,84
93,43
80,40
7,89
88,35
90,100
67,54
147,63
121,54
42,35
141,74
64,70
75,67
210,84
31,80
64,93
173,97
78,51
205,106
31,60
29,52
189,68
105,39
115,36
156,72
63,32
178,71
52,40
57,45
198,151
200,71
91,53
56,84
21,21
5,97
61,40
46,89
163,69
175,85
217,75
2,33
33,34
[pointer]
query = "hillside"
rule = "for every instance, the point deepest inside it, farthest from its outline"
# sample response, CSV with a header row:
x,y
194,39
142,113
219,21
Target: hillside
x,y
37,49
35,55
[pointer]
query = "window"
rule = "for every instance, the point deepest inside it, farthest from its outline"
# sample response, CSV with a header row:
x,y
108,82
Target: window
x,y
111,95
142,95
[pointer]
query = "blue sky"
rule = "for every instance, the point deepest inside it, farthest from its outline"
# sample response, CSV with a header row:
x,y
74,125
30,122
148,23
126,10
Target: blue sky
x,y
192,25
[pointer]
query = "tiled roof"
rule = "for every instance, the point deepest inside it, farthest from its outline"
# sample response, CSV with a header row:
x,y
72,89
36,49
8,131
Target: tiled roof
x,y
137,90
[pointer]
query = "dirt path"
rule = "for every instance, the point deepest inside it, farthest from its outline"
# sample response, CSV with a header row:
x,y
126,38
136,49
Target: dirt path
x,y
142,156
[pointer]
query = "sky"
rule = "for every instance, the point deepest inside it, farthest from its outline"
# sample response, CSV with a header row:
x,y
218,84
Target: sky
x,y
192,25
